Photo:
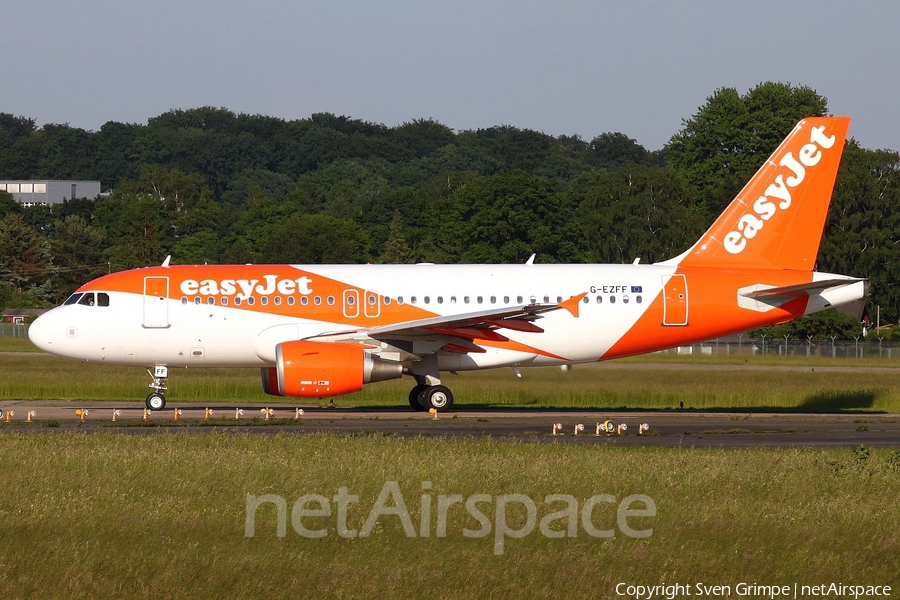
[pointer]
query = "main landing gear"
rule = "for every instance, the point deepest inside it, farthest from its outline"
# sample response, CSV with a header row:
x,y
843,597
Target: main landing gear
x,y
426,397
155,399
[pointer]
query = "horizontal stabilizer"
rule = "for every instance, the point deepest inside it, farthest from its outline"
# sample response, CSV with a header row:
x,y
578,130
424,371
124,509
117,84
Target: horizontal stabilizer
x,y
759,291
763,298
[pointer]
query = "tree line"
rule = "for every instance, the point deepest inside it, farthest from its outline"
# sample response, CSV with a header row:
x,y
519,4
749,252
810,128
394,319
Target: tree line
x,y
209,185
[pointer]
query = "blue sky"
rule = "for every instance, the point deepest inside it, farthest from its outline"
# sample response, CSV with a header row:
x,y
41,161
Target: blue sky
x,y
560,67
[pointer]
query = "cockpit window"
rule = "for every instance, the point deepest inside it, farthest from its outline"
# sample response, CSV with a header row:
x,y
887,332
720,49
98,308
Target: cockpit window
x,y
87,299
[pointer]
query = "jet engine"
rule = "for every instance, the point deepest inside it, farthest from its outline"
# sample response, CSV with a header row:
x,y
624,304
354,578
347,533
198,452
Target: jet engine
x,y
321,369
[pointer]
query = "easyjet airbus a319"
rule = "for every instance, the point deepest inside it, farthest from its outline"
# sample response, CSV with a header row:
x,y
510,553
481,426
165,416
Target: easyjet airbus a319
x,y
317,331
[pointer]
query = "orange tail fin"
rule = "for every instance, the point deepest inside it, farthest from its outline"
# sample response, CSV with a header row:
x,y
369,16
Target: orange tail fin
x,y
776,221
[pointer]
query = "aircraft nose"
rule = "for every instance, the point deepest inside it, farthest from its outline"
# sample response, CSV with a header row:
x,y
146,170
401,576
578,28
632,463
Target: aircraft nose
x,y
39,332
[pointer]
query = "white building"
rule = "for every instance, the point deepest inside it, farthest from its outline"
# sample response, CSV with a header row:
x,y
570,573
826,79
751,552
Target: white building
x,y
32,193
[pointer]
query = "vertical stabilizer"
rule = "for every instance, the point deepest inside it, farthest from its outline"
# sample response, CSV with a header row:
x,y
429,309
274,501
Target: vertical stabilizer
x,y
776,221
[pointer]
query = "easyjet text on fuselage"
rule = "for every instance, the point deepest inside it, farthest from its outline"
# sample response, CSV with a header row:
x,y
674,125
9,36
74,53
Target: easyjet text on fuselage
x,y
269,285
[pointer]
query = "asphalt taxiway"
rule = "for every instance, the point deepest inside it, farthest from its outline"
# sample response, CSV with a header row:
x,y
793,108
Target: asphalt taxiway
x,y
666,428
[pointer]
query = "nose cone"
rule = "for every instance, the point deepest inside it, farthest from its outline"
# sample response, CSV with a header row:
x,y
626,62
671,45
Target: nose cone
x,y
39,332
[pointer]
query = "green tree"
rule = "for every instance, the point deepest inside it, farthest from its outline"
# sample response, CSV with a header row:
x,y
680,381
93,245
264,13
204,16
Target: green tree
x,y
727,140
77,249
138,228
65,152
8,204
397,250
862,232
315,239
505,219
116,160
615,150
635,212
24,255
820,326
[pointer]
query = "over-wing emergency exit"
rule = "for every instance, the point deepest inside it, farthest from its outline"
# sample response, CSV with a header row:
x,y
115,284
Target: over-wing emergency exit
x,y
317,331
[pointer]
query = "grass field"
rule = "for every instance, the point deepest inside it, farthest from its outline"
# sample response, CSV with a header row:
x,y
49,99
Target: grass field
x,y
165,514
119,516
39,376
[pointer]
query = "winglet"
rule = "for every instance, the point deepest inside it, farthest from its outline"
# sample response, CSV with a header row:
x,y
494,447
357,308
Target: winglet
x,y
530,260
166,262
572,303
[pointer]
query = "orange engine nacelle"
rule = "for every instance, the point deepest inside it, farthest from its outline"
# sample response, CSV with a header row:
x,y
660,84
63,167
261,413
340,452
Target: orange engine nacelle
x,y
322,369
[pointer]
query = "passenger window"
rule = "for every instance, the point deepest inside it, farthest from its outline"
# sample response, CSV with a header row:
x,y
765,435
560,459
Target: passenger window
x,y
480,299
452,299
400,300
625,299
412,299
264,300
224,300
251,300
211,301
351,300
533,299
440,299
317,300
102,299
303,300
558,299
493,299
599,299
546,299
638,299
466,299
387,300
427,300
197,300
291,300
371,300
612,299
184,299
519,299
505,299
277,301
237,300
73,299
586,300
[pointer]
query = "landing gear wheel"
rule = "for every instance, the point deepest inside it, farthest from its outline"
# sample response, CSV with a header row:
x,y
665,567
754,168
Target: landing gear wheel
x,y
156,401
438,397
414,396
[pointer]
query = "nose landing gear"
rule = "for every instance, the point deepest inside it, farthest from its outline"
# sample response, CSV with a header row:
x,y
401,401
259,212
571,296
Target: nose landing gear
x,y
155,399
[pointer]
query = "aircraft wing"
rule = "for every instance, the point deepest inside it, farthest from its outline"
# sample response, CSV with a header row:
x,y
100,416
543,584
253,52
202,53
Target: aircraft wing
x,y
459,333
476,325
